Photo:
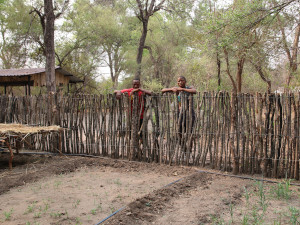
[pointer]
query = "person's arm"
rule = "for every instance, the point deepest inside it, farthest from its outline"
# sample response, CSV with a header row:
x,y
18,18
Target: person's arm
x,y
146,92
174,89
189,90
119,93
142,90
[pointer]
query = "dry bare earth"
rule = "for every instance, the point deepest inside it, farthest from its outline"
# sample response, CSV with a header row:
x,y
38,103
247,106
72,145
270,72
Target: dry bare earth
x,y
79,190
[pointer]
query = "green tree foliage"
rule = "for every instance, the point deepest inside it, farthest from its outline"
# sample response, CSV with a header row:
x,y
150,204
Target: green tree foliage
x,y
15,43
237,35
288,26
245,45
105,31
165,49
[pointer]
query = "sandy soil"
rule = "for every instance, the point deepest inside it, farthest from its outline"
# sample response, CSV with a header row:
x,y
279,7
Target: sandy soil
x,y
213,199
81,190
75,190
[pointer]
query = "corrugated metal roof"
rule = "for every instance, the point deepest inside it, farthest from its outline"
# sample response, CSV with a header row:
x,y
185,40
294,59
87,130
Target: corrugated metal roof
x,y
31,71
74,79
20,72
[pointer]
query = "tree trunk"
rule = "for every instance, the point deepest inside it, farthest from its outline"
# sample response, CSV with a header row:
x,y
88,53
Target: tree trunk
x,y
49,45
293,58
111,69
141,48
234,86
263,77
219,70
240,67
291,55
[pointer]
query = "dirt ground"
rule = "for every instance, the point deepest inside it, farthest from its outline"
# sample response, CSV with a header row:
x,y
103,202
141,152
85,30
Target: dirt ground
x,y
43,189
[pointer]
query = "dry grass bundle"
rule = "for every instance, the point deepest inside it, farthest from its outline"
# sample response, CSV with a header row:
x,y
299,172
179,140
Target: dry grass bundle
x,y
25,129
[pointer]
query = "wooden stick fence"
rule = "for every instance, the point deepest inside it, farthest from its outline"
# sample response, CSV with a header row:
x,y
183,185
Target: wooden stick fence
x,y
254,134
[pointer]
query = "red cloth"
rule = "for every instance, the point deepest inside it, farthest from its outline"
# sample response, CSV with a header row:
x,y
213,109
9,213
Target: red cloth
x,y
130,90
141,100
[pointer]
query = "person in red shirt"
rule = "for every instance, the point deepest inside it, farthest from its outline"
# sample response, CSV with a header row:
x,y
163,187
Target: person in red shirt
x,y
136,84
136,87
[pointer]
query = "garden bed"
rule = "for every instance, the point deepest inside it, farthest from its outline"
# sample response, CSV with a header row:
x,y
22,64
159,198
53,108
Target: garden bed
x,y
43,189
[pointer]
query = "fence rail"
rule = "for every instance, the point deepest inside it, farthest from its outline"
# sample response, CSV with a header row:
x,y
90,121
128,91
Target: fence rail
x,y
244,133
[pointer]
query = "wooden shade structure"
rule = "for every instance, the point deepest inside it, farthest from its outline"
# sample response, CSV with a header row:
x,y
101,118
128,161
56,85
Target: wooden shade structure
x,y
34,77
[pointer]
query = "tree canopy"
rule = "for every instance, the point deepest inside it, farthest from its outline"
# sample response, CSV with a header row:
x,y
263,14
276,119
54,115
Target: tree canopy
x,y
244,46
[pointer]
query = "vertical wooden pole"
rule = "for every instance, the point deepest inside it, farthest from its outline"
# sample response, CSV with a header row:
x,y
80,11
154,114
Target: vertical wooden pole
x,y
233,131
60,142
297,150
134,128
11,153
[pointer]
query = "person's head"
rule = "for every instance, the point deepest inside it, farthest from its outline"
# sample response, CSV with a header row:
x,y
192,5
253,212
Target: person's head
x,y
136,83
181,81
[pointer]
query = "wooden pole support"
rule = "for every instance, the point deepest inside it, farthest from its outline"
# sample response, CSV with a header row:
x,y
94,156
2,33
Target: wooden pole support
x,y
11,153
60,143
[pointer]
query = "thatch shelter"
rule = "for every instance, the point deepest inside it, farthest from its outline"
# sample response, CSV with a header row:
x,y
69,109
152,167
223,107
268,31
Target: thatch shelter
x,y
34,77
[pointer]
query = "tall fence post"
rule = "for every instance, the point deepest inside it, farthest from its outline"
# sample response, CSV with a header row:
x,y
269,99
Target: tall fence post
x,y
233,132
134,127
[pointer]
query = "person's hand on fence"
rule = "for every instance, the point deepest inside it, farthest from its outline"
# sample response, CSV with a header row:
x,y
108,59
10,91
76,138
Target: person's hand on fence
x,y
134,90
175,89
118,94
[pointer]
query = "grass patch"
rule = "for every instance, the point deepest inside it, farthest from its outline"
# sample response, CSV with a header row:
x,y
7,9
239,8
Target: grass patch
x,y
259,202
8,214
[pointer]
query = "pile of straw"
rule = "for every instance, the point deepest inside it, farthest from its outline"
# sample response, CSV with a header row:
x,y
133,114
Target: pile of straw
x,y
25,129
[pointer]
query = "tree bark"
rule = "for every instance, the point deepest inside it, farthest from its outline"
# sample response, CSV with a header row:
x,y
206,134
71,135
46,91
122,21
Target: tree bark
x,y
219,69
293,60
144,12
291,54
141,48
259,69
240,67
234,87
49,45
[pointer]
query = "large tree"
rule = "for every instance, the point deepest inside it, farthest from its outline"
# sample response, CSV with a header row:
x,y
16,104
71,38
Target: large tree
x,y
106,31
288,23
47,17
166,49
143,11
14,37
49,45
